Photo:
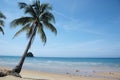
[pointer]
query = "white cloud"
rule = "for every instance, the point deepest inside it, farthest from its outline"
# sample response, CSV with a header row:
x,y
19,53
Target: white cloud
x,y
82,26
62,15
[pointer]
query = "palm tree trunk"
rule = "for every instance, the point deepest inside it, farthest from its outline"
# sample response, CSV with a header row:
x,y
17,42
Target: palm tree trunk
x,y
18,68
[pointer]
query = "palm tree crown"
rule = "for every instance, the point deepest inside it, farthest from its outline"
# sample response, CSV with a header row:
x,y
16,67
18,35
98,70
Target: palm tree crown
x,y
2,16
39,17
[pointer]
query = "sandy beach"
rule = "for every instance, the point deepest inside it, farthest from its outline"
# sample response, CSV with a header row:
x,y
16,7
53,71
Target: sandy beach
x,y
34,75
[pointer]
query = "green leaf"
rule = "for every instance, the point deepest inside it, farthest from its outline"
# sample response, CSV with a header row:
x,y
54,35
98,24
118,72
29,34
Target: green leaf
x,y
22,5
1,30
25,28
42,33
51,27
2,15
47,16
21,21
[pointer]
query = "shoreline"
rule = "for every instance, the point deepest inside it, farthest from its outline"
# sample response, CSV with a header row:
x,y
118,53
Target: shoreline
x,y
72,66
37,75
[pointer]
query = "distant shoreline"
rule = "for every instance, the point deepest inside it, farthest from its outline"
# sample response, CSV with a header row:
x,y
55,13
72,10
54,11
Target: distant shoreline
x,y
65,57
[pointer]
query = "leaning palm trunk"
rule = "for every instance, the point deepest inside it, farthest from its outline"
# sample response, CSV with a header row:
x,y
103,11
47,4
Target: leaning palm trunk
x,y
18,68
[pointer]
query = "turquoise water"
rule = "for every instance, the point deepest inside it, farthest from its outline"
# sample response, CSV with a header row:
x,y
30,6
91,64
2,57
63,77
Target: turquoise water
x,y
64,65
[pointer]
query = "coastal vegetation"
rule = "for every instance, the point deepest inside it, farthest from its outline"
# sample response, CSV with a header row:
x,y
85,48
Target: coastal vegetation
x,y
38,16
30,54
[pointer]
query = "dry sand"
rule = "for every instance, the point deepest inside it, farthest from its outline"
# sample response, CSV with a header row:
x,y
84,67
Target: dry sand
x,y
33,75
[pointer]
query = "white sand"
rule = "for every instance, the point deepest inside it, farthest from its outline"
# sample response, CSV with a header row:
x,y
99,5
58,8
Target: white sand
x,y
33,75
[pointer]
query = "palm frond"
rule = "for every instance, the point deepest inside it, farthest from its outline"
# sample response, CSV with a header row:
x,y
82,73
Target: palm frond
x,y
45,7
22,5
36,6
36,2
47,16
1,23
25,28
51,27
42,33
2,15
21,21
29,10
1,30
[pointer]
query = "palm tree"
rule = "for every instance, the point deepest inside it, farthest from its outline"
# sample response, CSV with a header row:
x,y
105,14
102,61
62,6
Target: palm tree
x,y
2,16
39,16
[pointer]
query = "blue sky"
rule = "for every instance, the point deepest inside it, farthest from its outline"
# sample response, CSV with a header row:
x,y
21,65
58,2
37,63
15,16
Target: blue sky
x,y
86,28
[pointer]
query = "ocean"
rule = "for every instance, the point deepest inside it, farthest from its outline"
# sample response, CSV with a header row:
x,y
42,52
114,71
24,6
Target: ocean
x,y
74,66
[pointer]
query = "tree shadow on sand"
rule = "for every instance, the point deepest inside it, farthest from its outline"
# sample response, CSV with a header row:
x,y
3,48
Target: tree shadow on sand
x,y
34,79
